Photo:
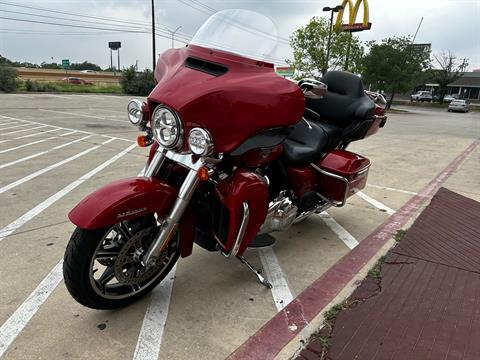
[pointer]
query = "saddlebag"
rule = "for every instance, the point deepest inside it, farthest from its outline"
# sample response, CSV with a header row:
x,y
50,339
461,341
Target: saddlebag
x,y
340,175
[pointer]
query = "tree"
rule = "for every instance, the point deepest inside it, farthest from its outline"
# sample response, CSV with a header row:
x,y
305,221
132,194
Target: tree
x,y
137,83
450,70
85,66
8,77
309,45
394,65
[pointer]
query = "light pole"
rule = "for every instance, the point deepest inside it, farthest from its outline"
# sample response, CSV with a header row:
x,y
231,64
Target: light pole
x,y
332,10
173,33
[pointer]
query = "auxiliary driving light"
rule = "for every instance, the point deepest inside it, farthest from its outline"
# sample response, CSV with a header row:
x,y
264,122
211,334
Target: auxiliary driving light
x,y
200,142
135,112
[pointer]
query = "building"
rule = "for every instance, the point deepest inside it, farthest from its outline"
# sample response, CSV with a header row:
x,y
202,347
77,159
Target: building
x,y
466,87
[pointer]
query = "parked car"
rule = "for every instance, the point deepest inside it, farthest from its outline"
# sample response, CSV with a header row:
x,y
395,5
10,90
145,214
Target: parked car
x,y
89,71
77,80
449,98
459,105
421,96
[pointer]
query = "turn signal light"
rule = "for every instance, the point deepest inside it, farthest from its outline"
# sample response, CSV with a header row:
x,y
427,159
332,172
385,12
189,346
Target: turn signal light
x,y
142,141
202,173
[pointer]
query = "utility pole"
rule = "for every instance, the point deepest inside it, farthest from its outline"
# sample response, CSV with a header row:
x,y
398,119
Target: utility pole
x,y
154,51
118,59
332,10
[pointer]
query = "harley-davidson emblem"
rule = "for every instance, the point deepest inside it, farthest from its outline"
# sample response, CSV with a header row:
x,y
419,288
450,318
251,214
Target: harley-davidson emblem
x,y
130,212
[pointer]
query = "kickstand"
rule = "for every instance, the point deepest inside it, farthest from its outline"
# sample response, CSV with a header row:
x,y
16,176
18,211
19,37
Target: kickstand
x,y
260,278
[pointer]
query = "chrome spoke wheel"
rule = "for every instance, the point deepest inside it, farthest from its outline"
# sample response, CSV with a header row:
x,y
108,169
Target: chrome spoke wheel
x,y
116,268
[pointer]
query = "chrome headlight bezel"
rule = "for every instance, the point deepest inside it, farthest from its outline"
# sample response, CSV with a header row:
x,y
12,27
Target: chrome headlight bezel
x,y
200,142
135,112
159,126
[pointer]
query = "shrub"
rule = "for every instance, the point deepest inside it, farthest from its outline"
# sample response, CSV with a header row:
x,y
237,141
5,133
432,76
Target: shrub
x,y
8,77
134,83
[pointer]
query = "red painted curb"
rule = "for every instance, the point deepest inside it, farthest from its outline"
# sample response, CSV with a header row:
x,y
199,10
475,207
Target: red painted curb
x,y
267,342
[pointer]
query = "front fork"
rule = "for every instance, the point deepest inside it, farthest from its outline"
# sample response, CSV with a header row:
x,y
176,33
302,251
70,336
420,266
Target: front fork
x,y
169,225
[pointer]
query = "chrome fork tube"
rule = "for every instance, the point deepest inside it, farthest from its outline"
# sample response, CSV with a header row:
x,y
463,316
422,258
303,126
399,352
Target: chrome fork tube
x,y
170,223
155,164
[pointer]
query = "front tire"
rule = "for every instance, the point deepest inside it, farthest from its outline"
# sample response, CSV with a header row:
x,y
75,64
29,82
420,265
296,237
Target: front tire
x,y
86,255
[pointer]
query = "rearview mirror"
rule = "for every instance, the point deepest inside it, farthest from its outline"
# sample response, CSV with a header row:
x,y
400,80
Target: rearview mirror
x,y
313,89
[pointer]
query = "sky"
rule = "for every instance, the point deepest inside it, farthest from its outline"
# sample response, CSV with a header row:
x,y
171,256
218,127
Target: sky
x,y
447,24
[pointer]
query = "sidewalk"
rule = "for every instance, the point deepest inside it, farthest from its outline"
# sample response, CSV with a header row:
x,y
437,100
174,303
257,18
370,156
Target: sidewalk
x,y
425,303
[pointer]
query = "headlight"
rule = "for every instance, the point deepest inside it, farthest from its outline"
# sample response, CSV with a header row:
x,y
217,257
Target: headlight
x,y
135,112
167,128
200,142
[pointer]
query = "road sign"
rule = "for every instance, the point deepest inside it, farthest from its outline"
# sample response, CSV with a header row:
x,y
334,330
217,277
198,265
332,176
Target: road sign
x,y
114,45
65,63
285,71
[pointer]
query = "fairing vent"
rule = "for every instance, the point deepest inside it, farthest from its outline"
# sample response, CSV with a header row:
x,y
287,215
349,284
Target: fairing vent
x,y
205,66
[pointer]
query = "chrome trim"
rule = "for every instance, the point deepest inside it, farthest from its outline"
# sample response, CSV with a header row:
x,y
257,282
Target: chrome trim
x,y
335,176
171,222
241,232
156,163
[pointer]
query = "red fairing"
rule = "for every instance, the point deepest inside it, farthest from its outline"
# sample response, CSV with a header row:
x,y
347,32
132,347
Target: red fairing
x,y
243,186
247,98
123,200
303,180
347,164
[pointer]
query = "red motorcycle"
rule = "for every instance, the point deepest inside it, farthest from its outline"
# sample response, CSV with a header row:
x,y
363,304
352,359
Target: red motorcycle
x,y
237,152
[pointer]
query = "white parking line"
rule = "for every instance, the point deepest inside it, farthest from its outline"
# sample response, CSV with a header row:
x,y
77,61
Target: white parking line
x,y
51,167
17,321
392,189
27,144
38,133
20,318
338,229
282,295
83,115
64,128
23,130
43,152
376,203
12,127
151,334
13,226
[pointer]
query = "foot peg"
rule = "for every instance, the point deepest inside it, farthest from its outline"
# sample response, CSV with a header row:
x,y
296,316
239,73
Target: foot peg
x,y
263,240
260,278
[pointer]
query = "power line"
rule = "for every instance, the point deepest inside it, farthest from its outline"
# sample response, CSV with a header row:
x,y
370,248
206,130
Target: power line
x,y
83,26
110,19
209,11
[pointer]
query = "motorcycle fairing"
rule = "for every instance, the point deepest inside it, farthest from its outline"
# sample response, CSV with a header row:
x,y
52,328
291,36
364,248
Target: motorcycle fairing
x,y
123,200
242,186
234,104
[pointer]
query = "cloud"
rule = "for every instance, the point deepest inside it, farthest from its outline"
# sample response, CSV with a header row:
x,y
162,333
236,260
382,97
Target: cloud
x,y
447,24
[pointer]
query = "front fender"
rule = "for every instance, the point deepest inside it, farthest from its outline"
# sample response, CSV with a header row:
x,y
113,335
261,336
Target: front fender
x,y
123,200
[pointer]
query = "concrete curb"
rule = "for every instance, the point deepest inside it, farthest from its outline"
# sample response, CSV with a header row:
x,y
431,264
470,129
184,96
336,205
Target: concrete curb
x,y
300,318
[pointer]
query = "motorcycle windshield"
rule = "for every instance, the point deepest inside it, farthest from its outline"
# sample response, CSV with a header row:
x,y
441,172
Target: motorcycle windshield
x,y
241,32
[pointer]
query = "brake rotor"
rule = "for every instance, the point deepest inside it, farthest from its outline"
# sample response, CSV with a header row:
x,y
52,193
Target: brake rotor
x,y
128,266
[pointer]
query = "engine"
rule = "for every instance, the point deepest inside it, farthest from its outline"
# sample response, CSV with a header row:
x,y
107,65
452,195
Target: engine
x,y
280,215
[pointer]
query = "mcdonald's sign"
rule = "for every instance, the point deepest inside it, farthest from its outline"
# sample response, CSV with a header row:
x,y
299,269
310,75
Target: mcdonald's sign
x,y
352,26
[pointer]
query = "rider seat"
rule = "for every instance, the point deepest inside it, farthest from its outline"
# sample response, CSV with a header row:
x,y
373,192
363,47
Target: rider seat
x,y
307,141
345,101
344,114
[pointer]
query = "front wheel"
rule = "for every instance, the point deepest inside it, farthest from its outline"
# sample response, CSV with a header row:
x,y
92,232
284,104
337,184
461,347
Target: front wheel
x,y
103,268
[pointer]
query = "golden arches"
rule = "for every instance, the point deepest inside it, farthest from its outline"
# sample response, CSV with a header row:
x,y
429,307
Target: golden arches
x,y
352,13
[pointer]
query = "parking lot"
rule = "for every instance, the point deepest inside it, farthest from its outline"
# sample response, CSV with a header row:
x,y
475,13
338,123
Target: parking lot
x,y
55,149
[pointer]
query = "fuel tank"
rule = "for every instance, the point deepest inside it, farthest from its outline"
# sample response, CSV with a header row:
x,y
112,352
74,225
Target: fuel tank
x,y
233,97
